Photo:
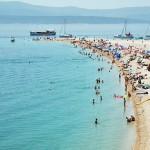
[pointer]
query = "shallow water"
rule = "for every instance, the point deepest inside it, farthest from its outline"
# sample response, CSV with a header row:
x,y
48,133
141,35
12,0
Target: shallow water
x,y
46,99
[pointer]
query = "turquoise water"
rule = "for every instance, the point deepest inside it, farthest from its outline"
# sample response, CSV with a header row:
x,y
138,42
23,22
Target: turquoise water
x,y
46,99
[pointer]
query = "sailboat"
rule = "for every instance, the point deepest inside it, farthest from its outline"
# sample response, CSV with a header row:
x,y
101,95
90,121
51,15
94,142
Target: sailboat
x,y
138,37
64,35
126,35
147,35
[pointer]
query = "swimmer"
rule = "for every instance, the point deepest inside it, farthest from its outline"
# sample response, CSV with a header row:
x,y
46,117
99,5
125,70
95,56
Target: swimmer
x,y
97,92
95,87
93,101
124,102
128,119
96,80
99,80
96,122
101,98
132,118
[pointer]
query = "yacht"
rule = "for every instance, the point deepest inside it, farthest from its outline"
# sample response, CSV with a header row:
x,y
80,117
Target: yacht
x,y
65,35
124,34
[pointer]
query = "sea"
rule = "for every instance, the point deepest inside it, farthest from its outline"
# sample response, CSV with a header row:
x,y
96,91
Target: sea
x,y
47,92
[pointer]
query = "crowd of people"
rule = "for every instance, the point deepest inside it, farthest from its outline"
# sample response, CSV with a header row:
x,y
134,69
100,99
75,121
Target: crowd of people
x,y
115,55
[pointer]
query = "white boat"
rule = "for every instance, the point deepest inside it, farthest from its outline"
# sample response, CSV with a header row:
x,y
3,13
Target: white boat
x,y
138,37
117,36
65,35
124,34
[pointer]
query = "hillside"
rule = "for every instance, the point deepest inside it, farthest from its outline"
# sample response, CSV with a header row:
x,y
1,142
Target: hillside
x,y
70,19
22,9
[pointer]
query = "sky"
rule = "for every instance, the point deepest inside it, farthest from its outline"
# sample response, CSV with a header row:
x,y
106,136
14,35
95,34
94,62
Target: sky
x,y
90,4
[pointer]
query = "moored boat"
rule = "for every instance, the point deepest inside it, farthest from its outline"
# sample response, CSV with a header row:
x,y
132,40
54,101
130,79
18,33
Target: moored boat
x,y
147,36
127,36
124,35
43,33
65,35
117,36
139,37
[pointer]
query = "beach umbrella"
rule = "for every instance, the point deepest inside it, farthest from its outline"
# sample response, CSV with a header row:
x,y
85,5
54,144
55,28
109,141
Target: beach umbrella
x,y
116,54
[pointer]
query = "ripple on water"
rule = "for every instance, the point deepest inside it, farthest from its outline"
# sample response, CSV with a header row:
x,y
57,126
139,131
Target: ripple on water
x,y
47,103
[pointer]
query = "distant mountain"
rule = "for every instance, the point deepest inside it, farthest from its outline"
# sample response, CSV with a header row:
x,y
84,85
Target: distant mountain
x,y
70,19
23,9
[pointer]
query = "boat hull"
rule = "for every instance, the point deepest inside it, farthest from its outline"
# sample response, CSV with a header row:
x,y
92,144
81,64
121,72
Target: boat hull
x,y
123,37
66,36
139,38
127,37
44,33
117,36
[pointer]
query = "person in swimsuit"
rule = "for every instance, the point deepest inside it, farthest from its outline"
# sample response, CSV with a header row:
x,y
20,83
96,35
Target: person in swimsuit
x,y
96,122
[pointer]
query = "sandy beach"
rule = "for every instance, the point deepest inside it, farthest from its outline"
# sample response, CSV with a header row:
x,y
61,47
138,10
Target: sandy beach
x,y
131,60
142,110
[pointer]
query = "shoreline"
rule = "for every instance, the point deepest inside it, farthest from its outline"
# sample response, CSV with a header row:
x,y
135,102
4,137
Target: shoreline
x,y
141,111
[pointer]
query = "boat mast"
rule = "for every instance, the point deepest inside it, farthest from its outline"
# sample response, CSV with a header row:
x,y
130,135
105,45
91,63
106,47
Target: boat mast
x,y
124,28
61,29
147,29
65,26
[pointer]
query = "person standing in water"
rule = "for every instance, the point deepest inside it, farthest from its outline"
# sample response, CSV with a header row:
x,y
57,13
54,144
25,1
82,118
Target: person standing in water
x,y
132,118
93,101
101,98
124,102
119,75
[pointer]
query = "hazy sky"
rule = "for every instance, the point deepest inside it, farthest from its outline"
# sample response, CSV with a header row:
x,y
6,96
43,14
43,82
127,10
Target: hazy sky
x,y
98,4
